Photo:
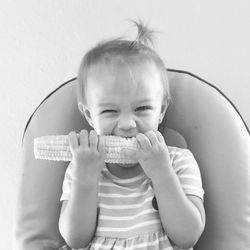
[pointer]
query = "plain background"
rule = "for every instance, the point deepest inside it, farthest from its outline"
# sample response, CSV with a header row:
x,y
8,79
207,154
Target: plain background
x,y
42,43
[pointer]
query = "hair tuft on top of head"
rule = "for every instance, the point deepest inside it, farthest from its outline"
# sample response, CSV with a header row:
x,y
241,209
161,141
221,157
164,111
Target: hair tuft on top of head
x,y
144,36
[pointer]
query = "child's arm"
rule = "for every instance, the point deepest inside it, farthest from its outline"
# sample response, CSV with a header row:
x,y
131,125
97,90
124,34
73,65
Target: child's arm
x,y
78,217
182,216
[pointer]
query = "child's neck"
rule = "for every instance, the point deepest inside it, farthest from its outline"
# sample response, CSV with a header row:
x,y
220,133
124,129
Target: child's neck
x,y
123,172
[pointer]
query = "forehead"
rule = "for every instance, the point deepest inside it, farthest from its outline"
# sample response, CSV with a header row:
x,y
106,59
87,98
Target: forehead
x,y
124,75
122,83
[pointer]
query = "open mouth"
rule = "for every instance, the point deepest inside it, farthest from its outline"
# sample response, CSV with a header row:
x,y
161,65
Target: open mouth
x,y
125,137
125,165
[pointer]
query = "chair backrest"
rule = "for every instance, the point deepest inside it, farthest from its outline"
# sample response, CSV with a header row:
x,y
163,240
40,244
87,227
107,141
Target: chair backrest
x,y
213,130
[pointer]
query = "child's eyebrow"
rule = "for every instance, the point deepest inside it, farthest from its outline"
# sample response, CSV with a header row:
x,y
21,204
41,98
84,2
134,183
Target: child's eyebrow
x,y
103,104
145,100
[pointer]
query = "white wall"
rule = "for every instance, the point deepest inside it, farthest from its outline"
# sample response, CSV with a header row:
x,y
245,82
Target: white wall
x,y
42,42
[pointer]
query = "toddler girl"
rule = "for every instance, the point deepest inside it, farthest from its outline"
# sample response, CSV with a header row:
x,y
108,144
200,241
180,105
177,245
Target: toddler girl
x,y
156,203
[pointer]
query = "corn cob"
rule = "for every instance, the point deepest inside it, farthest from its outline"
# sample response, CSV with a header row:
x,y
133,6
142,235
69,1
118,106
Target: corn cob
x,y
56,148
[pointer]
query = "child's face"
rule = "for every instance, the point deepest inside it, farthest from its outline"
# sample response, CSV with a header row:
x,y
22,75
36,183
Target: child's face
x,y
124,100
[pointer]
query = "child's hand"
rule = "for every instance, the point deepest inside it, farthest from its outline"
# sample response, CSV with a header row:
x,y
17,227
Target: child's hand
x,y
153,154
88,155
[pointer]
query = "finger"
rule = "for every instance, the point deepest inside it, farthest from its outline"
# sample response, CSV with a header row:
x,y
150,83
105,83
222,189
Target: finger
x,y
101,145
152,137
84,138
93,139
73,141
143,141
160,137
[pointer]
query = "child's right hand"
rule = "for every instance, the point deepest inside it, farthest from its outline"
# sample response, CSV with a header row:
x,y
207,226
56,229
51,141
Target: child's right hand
x,y
88,155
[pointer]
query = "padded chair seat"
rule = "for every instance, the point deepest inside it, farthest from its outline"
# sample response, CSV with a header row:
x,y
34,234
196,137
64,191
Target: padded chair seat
x,y
213,130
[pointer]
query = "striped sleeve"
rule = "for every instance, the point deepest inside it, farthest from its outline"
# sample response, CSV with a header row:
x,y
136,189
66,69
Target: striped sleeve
x,y
66,184
187,170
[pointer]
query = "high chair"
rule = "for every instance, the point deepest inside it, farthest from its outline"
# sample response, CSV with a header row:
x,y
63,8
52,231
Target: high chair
x,y
200,117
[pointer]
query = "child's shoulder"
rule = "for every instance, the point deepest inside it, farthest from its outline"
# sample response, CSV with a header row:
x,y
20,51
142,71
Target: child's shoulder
x,y
179,153
177,150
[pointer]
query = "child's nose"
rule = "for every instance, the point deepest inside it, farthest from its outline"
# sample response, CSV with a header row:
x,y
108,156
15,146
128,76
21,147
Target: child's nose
x,y
126,122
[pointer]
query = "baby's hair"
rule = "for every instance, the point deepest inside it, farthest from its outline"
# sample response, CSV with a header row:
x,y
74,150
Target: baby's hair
x,y
130,51
144,35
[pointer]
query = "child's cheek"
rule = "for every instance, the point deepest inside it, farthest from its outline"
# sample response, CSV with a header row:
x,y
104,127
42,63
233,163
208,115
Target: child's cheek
x,y
107,127
147,124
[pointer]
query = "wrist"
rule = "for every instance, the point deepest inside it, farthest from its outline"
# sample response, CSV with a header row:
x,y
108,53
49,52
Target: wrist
x,y
85,174
165,176
85,182
85,178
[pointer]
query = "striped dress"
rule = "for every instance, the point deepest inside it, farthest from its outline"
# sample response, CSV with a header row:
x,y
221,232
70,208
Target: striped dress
x,y
128,214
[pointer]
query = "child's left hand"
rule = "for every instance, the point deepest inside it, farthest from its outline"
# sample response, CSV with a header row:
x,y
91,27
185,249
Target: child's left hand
x,y
153,154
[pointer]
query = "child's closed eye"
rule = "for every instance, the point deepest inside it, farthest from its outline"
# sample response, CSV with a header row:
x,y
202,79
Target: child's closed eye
x,y
108,111
138,109
143,108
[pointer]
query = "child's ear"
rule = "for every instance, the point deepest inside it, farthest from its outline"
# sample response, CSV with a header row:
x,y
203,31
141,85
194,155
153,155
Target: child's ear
x,y
85,112
164,108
